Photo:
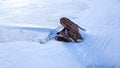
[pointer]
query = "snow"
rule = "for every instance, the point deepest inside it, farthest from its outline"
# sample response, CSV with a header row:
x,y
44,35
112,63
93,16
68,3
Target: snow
x,y
23,23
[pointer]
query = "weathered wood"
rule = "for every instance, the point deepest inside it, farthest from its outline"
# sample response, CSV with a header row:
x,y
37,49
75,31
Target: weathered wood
x,y
70,30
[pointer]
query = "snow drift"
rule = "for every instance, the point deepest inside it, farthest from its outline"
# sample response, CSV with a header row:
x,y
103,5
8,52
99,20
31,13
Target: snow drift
x,y
19,42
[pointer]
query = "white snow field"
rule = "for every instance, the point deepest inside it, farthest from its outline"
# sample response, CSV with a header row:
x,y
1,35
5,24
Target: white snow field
x,y
23,23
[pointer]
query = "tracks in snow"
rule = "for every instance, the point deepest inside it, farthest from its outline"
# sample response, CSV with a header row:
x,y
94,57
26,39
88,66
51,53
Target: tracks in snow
x,y
91,51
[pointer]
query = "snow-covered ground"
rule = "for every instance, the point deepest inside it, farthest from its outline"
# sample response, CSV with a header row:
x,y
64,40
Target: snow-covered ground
x,y
23,23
